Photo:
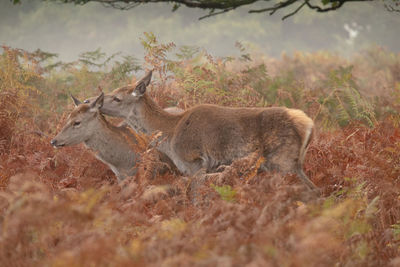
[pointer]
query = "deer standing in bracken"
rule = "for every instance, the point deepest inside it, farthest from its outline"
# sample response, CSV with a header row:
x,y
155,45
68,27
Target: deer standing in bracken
x,y
209,136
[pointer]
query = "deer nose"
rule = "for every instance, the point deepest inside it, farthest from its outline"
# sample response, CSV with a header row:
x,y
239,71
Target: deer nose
x,y
53,142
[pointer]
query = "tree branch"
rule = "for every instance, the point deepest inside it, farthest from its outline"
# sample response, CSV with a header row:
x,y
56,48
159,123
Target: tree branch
x,y
276,7
216,13
335,5
294,12
203,4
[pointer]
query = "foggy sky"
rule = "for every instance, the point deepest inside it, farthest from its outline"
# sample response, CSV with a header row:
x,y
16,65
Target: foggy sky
x,y
69,30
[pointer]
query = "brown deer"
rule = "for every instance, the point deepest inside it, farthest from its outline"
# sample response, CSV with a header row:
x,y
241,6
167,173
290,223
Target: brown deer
x,y
115,146
209,136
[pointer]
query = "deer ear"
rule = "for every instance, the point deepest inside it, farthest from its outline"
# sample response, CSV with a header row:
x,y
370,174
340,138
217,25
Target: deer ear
x,y
76,101
141,85
98,103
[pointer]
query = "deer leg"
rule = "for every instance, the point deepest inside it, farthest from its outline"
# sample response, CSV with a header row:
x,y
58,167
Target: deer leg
x,y
197,180
285,159
187,162
304,178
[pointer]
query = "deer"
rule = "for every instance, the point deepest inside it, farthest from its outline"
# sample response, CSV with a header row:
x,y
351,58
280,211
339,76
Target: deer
x,y
207,137
116,146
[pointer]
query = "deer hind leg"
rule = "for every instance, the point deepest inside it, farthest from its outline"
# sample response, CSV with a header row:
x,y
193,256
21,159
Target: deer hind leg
x,y
187,158
285,159
304,178
187,167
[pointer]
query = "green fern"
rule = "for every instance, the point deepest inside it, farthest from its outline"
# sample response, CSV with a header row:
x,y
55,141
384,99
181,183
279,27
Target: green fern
x,y
226,192
396,230
345,104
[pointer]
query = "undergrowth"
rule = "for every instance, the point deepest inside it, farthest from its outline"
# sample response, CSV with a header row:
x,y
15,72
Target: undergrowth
x,y
62,207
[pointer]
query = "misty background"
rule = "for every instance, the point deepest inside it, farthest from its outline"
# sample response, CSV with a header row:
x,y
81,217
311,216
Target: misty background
x,y
69,30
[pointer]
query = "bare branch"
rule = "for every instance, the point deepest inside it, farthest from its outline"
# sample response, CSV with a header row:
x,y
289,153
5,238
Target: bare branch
x,y
294,12
275,7
211,14
335,5
119,6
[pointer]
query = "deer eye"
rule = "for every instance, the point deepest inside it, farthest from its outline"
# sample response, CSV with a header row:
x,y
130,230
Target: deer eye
x,y
116,99
76,123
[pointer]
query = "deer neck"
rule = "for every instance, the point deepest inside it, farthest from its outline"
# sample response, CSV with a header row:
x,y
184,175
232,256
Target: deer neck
x,y
151,117
110,145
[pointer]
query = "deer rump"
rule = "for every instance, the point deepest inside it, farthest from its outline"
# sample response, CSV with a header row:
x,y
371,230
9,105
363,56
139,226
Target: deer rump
x,y
208,136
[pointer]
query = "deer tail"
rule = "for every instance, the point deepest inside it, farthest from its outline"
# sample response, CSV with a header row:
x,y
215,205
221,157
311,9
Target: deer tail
x,y
304,126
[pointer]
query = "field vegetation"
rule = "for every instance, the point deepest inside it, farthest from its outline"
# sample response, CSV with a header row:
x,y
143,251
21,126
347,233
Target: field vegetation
x,y
62,207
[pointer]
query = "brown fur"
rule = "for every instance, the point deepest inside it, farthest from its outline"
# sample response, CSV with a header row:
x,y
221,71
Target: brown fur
x,y
79,110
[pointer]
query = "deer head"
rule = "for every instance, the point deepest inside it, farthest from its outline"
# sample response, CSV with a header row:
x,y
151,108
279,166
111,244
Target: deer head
x,y
81,124
119,103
